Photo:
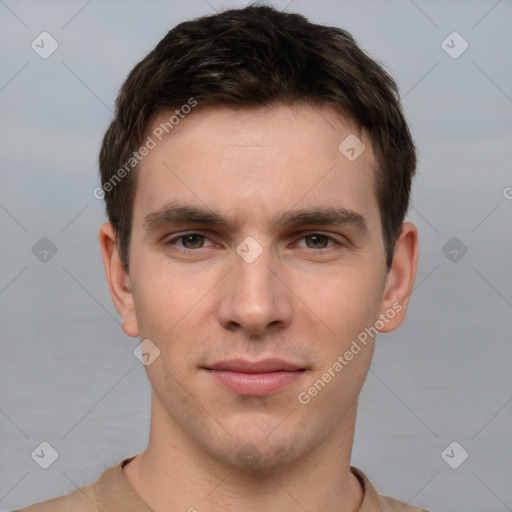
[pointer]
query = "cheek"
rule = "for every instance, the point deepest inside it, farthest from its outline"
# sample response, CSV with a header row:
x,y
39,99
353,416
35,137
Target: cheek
x,y
164,297
345,300
172,311
342,309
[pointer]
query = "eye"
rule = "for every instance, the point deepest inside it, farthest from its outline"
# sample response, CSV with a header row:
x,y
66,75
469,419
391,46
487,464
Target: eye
x,y
188,241
317,240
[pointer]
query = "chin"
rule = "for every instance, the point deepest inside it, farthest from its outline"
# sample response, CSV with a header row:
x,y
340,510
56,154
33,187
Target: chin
x,y
256,453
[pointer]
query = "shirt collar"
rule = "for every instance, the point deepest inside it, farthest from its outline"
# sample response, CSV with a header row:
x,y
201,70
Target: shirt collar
x,y
117,495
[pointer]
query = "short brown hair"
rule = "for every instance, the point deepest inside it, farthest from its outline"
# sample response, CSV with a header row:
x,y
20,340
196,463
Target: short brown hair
x,y
258,56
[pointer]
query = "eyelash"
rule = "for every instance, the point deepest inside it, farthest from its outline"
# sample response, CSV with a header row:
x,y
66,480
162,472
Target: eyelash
x,y
171,242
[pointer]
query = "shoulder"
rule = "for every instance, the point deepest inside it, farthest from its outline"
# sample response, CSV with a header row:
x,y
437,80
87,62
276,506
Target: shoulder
x,y
388,504
80,500
111,488
376,502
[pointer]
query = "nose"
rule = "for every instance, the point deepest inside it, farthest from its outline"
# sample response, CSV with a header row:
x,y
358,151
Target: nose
x,y
255,297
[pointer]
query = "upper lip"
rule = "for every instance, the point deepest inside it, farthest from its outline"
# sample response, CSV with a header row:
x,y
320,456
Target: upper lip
x,y
245,366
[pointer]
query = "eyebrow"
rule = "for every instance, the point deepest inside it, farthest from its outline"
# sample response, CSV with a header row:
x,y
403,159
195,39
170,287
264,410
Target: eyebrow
x,y
179,213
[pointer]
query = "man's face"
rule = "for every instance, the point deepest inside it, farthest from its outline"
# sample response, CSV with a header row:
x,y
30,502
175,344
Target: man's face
x,y
300,291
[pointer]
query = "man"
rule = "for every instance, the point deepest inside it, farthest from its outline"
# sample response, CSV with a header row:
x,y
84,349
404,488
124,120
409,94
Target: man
x,y
256,176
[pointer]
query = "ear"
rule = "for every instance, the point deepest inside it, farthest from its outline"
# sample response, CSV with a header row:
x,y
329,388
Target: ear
x,y
118,280
400,280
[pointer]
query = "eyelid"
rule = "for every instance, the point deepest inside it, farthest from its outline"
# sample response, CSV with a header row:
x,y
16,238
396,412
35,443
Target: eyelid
x,y
299,235
330,237
177,236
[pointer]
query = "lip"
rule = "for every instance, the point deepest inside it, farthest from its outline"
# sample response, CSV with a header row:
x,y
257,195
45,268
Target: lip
x,y
263,366
255,378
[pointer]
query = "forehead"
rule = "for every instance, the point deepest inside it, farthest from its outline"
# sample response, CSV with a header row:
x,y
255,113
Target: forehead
x,y
253,162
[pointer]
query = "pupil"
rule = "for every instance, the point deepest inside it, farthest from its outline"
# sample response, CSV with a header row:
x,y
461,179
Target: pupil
x,y
317,238
193,239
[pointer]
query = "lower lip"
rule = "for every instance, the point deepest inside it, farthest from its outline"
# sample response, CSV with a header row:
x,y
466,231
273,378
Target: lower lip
x,y
255,384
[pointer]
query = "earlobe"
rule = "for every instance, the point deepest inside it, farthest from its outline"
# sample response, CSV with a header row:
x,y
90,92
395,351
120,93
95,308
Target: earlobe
x,y
400,280
118,280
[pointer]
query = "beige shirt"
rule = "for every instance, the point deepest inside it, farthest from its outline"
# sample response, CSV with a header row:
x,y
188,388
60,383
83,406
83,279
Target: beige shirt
x,y
113,493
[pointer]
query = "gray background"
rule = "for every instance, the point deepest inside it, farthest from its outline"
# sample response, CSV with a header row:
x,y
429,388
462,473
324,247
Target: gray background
x,y
68,374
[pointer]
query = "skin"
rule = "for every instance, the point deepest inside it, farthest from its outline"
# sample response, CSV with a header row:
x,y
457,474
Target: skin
x,y
304,300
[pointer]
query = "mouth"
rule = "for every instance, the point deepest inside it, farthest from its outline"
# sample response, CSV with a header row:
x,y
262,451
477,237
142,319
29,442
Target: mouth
x,y
258,378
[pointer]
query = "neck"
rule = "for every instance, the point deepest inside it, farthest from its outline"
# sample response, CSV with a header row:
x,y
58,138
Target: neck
x,y
174,474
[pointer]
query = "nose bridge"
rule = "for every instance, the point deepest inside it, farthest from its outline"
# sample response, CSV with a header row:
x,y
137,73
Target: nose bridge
x,y
254,298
